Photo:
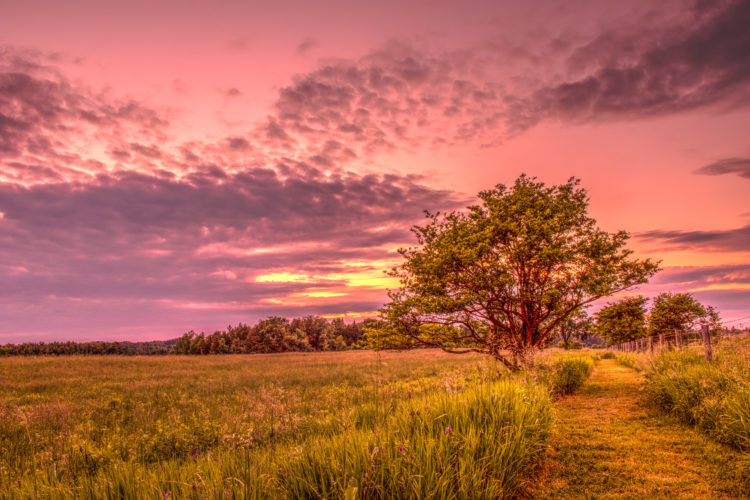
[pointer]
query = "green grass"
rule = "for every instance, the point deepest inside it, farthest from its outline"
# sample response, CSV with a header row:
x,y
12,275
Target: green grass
x,y
569,372
302,425
629,359
712,396
608,443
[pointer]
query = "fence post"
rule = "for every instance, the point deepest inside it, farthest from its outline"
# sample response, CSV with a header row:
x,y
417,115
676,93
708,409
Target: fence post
x,y
661,341
707,343
651,344
678,339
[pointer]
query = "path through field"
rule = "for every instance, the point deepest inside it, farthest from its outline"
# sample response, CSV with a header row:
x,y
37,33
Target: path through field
x,y
608,444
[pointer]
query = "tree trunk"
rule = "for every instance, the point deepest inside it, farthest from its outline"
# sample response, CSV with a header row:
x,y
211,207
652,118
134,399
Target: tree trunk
x,y
525,358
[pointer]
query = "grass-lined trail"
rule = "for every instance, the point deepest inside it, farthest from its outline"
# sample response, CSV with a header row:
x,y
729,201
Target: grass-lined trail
x,y
608,444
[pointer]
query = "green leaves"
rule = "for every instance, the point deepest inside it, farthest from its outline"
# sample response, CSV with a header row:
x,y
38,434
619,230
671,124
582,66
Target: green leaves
x,y
677,311
503,274
623,321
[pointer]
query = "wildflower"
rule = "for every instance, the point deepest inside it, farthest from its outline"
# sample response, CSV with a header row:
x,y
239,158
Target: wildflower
x,y
448,430
166,494
536,379
196,453
523,380
401,449
195,487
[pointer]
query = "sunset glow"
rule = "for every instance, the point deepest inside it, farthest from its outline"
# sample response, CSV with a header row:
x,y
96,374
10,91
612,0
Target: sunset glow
x,y
166,168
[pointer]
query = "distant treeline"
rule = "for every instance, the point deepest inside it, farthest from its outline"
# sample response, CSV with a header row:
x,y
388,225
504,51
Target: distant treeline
x,y
274,334
65,348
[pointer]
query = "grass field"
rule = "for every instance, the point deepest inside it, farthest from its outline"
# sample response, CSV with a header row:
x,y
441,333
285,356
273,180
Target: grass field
x,y
314,425
358,424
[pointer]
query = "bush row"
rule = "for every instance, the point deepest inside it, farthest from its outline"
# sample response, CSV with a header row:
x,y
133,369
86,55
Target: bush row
x,y
713,396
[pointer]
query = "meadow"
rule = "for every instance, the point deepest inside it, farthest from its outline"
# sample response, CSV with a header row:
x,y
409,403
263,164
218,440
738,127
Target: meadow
x,y
355,424
714,397
388,425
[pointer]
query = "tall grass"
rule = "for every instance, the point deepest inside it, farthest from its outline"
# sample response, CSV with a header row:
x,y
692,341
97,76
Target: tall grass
x,y
333,425
713,396
567,372
629,359
473,444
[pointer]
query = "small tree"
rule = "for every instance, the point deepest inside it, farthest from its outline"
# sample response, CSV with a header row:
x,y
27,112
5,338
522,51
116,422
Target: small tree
x,y
679,311
500,277
622,321
578,325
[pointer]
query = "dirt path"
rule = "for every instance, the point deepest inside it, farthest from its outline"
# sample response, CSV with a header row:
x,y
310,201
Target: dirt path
x,y
608,445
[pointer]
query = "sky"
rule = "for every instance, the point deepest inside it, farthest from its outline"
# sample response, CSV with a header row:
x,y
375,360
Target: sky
x,y
168,166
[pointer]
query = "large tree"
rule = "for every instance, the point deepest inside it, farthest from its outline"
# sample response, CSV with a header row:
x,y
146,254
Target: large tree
x,y
622,321
499,277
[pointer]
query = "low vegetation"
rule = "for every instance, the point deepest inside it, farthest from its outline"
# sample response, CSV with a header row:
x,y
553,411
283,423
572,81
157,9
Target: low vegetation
x,y
564,374
355,424
629,359
713,396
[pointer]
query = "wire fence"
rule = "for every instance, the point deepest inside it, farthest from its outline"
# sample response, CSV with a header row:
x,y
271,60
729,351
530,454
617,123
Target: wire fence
x,y
677,340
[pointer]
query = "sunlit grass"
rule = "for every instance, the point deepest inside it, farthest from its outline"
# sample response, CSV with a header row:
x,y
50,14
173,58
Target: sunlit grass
x,y
713,396
314,425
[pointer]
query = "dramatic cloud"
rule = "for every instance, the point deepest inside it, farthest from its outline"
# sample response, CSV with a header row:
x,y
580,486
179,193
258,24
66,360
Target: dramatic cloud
x,y
105,213
401,97
50,126
739,166
684,69
732,240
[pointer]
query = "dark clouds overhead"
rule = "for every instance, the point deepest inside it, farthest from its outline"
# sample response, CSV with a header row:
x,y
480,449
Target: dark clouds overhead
x,y
701,63
401,97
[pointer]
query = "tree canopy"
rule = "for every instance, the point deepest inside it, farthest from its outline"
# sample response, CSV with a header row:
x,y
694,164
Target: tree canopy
x,y
578,325
499,277
622,321
679,311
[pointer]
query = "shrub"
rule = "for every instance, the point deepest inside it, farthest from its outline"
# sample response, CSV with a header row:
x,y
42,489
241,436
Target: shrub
x,y
567,373
607,355
574,344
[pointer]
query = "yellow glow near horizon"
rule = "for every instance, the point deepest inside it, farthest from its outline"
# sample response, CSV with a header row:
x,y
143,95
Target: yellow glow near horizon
x,y
722,286
373,276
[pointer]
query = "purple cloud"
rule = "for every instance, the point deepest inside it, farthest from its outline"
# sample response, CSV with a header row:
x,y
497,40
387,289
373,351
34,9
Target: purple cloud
x,y
739,166
731,240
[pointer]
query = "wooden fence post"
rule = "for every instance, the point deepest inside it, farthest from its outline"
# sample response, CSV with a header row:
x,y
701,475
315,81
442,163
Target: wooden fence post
x,y
661,341
678,339
707,343
651,344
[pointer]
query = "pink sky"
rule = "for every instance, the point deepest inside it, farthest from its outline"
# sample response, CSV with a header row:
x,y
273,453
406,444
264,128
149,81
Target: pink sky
x,y
167,166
